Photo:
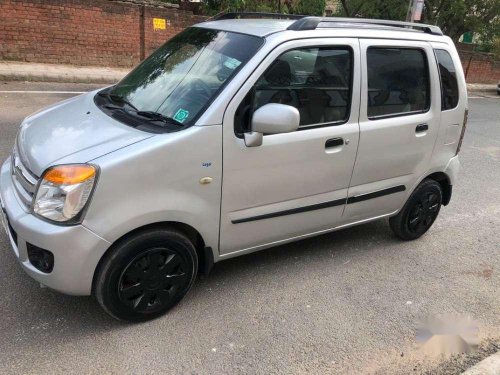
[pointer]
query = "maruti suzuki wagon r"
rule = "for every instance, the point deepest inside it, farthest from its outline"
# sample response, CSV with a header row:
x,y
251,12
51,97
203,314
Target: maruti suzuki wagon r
x,y
238,134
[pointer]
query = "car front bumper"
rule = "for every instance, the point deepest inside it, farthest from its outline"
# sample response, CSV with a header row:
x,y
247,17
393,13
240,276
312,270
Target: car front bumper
x,y
76,249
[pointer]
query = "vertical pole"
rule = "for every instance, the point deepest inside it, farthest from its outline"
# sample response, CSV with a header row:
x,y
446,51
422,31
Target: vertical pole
x,y
408,12
468,66
142,31
279,6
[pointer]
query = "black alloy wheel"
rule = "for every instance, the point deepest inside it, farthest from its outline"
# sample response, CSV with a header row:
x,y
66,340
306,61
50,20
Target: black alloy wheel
x,y
423,213
145,274
419,212
152,279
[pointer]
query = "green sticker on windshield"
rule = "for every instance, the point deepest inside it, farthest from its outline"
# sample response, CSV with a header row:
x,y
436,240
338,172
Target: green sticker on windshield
x,y
181,115
231,63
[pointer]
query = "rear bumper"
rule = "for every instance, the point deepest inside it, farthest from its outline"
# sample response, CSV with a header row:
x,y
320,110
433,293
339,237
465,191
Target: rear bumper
x,y
452,169
76,249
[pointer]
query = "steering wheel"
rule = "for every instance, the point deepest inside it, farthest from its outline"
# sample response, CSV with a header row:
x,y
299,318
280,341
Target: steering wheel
x,y
202,88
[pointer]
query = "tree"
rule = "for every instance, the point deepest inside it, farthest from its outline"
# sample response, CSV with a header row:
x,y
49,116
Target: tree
x,y
455,17
311,7
381,9
307,7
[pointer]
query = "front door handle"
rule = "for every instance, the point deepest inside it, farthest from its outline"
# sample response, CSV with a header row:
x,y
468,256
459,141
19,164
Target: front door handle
x,y
421,128
334,142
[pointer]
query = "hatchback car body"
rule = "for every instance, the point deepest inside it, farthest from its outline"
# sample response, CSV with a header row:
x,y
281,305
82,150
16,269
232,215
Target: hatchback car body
x,y
236,136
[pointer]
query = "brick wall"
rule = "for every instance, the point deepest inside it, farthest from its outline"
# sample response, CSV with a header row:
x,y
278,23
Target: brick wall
x,y
480,67
85,32
120,34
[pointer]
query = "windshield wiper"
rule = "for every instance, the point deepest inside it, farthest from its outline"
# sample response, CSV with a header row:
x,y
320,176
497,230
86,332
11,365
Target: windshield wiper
x,y
117,99
156,116
150,115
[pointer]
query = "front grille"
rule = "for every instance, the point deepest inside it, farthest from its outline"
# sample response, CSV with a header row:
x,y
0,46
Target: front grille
x,y
24,181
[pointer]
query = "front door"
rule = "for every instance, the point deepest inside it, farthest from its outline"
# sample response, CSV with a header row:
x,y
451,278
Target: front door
x,y
296,183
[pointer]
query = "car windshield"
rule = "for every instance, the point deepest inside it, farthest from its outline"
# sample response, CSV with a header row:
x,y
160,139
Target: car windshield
x,y
184,75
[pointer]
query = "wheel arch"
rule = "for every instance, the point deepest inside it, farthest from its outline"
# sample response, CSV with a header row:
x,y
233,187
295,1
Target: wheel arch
x,y
204,254
444,180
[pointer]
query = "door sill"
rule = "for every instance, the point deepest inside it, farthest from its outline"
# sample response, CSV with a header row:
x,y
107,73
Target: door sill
x,y
296,238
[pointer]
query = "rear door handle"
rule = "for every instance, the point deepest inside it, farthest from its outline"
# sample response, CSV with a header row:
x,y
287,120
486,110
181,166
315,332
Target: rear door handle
x,y
334,142
421,128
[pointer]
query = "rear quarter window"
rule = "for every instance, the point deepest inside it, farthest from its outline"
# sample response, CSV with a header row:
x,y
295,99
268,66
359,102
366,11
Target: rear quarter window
x,y
448,76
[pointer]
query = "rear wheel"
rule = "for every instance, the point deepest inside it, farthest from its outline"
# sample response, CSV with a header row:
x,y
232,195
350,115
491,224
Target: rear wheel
x,y
146,274
419,212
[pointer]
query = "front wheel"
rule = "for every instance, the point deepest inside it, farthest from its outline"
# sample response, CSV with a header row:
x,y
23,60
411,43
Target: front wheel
x,y
419,212
146,274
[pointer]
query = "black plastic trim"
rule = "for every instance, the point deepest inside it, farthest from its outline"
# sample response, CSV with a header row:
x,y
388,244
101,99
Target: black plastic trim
x,y
319,206
312,207
307,23
41,259
13,233
447,194
208,262
375,194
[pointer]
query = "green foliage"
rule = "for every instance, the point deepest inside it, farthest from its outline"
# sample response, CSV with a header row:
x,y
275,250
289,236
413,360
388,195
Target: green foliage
x,y
495,48
216,6
455,17
381,9
311,7
308,7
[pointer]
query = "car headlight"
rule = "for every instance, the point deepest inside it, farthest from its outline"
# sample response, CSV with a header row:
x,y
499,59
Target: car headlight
x,y
64,191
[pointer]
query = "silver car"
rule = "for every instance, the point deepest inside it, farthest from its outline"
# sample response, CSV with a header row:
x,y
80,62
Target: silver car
x,y
237,135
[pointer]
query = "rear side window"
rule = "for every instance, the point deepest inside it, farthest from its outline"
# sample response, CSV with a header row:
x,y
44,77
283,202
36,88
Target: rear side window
x,y
398,82
449,84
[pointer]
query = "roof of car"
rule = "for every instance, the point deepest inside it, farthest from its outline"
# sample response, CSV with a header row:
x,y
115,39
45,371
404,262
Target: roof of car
x,y
264,24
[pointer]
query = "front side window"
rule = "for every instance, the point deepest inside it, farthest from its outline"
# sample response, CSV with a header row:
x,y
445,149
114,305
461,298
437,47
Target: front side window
x,y
449,84
398,81
184,75
316,81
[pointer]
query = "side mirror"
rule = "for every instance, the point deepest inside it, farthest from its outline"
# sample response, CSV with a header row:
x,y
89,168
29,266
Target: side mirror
x,y
272,118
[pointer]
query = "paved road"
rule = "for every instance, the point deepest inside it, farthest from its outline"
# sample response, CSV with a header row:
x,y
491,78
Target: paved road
x,y
343,302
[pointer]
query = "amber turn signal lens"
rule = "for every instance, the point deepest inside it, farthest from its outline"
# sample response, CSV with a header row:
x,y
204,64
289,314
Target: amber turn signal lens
x,y
69,174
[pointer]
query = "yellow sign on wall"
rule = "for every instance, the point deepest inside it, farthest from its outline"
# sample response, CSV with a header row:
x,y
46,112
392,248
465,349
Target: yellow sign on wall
x,y
159,24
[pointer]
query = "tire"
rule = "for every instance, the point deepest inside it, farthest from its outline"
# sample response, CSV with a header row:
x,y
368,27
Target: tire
x,y
419,212
146,274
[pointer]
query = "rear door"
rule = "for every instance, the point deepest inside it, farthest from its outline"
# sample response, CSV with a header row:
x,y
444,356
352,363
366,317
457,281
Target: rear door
x,y
295,183
399,121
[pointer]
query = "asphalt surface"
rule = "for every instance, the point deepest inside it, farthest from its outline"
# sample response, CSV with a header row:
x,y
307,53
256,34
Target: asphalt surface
x,y
345,302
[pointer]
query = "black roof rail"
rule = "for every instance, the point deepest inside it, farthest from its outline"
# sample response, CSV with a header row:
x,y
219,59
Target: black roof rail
x,y
276,16
311,23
